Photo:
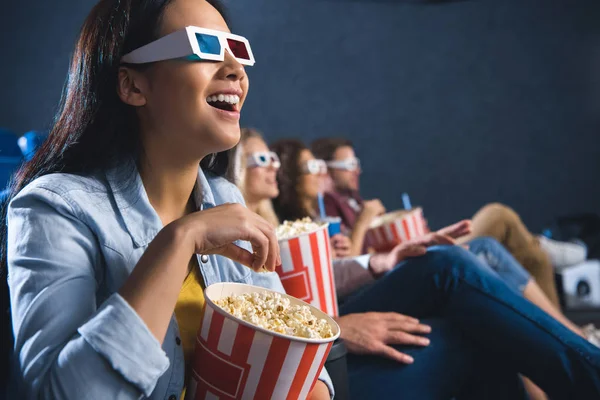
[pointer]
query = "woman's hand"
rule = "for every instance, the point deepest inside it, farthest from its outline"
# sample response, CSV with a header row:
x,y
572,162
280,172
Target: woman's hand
x,y
373,333
319,392
341,246
153,287
214,230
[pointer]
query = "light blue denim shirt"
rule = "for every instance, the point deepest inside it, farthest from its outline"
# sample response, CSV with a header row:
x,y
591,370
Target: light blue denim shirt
x,y
72,242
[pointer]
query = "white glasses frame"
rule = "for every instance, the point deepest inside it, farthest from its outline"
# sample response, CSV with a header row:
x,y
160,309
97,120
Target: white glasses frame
x,y
254,160
183,43
348,164
314,167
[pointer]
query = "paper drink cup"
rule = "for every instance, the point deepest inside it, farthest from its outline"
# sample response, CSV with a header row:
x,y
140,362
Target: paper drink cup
x,y
306,270
237,360
335,225
396,227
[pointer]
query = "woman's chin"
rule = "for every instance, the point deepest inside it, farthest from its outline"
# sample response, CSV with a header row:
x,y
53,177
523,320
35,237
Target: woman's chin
x,y
227,139
232,137
274,194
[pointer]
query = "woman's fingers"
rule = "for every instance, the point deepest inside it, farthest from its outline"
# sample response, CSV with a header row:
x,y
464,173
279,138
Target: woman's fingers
x,y
231,222
236,253
272,259
260,248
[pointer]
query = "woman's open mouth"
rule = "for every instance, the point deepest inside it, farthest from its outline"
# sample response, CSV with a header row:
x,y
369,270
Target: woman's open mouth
x,y
224,102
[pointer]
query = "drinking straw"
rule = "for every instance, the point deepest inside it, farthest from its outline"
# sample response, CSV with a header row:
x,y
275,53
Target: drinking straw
x,y
406,201
321,206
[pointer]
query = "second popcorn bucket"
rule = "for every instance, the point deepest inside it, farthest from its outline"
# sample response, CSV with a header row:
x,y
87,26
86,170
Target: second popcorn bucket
x,y
235,359
306,270
396,227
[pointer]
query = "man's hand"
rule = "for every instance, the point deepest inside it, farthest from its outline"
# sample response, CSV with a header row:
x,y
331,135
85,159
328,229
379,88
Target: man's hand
x,y
383,262
373,333
457,230
341,246
371,209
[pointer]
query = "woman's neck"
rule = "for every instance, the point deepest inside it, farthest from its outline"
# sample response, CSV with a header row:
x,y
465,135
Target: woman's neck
x,y
308,205
169,184
253,206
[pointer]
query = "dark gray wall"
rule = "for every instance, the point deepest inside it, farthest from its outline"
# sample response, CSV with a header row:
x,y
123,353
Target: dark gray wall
x,y
458,104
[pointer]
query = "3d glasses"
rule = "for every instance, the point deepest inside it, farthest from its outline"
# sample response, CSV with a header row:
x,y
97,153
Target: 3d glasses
x,y
263,159
349,164
193,43
314,167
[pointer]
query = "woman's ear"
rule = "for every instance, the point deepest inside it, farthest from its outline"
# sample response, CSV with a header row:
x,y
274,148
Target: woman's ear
x,y
131,87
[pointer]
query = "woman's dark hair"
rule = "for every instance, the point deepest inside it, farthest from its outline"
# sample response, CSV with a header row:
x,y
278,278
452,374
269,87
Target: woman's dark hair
x,y
288,205
93,129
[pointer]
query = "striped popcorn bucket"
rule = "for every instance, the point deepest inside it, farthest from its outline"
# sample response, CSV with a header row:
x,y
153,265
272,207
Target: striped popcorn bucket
x,y
396,227
306,270
237,360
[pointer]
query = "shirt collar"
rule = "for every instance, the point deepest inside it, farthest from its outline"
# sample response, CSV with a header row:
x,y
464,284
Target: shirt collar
x,y
139,217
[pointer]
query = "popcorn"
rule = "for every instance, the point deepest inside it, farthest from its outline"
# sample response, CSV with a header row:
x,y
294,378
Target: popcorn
x,y
294,228
274,312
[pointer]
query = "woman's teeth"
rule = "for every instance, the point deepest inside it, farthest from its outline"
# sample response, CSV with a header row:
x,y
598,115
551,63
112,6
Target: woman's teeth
x,y
224,98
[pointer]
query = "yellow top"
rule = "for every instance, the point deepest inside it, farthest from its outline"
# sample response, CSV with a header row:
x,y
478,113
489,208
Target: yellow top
x,y
188,312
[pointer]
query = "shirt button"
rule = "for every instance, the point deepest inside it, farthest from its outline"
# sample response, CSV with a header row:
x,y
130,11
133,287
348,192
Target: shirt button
x,y
178,341
172,397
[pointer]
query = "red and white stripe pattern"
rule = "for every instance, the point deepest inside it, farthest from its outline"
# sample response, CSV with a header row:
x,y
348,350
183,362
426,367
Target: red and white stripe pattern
x,y
306,270
234,361
408,226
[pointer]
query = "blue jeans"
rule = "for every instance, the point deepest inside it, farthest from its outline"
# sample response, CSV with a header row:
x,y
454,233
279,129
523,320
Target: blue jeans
x,y
487,335
492,253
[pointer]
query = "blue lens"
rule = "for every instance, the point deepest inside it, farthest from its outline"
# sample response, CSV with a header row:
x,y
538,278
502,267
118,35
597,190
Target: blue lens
x,y
263,158
209,44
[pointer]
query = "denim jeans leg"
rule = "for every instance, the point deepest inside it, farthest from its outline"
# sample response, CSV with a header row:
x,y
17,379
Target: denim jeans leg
x,y
448,368
452,283
492,253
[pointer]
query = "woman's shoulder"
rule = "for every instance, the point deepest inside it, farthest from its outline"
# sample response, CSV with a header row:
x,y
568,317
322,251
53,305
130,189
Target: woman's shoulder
x,y
70,188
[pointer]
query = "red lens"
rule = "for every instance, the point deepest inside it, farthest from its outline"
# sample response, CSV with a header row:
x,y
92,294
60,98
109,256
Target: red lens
x,y
238,49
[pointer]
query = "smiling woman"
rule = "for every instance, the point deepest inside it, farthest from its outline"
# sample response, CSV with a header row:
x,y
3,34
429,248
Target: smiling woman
x,y
107,222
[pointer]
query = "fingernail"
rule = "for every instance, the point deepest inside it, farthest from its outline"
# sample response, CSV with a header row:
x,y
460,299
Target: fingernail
x,y
425,342
409,360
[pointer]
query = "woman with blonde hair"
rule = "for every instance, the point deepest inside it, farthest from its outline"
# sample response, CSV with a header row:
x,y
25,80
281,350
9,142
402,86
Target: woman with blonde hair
x,y
264,182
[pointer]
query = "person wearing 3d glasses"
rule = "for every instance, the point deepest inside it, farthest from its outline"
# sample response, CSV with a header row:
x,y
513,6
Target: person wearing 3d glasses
x,y
118,223
398,318
343,199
